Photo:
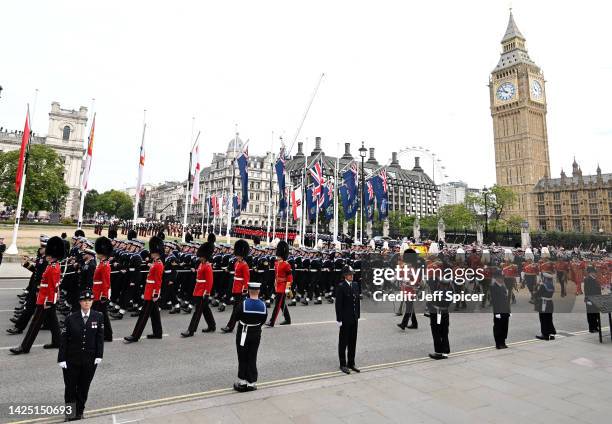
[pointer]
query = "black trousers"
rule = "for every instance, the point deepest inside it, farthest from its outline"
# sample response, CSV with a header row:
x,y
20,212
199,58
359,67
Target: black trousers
x,y
202,308
439,332
28,311
232,321
500,328
546,324
593,320
247,354
50,318
278,305
347,343
409,315
151,309
103,307
77,379
562,279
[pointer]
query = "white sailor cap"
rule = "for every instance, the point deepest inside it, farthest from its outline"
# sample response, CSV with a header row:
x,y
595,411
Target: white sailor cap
x,y
254,285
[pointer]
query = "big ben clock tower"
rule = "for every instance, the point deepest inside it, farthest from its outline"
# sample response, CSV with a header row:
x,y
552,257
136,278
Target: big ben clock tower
x,y
518,107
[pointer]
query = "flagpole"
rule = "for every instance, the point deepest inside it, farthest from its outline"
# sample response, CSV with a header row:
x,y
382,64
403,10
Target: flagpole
x,y
230,201
336,198
203,200
270,194
12,249
273,234
316,224
287,211
140,171
83,188
214,223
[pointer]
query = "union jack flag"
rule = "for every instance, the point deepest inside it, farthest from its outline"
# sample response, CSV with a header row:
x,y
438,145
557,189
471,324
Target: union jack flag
x,y
383,177
370,190
330,187
317,175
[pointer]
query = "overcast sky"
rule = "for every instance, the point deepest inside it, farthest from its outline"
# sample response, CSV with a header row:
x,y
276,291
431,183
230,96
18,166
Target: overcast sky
x,y
398,74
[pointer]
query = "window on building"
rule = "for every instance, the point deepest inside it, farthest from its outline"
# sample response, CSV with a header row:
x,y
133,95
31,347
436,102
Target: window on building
x,y
593,210
576,225
557,209
66,133
592,195
574,196
559,224
541,210
595,225
610,207
556,196
542,224
540,197
575,210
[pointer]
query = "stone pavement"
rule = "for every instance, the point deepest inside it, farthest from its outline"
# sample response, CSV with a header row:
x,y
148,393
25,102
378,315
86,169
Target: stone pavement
x,y
11,270
564,381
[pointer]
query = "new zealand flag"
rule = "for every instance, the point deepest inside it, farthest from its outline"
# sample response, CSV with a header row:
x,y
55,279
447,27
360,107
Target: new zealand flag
x,y
311,205
369,201
349,206
379,183
243,167
279,166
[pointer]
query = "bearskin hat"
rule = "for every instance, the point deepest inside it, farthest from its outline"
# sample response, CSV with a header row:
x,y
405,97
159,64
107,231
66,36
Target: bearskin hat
x,y
256,241
104,246
132,234
206,251
409,256
161,235
112,233
282,249
156,245
212,238
55,248
79,233
241,248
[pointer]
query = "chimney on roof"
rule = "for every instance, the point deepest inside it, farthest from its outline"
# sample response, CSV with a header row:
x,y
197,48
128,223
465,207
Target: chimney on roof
x,y
300,153
417,166
394,161
372,159
347,152
317,148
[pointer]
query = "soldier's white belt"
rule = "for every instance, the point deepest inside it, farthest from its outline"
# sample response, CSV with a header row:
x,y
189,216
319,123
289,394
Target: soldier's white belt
x,y
150,281
200,281
97,282
244,331
132,269
167,272
44,285
238,279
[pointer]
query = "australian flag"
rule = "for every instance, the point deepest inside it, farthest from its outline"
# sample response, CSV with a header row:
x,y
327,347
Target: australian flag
x,y
350,181
349,206
311,205
328,200
236,206
279,166
380,185
243,167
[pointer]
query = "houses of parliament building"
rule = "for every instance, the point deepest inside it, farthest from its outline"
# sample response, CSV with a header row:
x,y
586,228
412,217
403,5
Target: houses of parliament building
x,y
581,203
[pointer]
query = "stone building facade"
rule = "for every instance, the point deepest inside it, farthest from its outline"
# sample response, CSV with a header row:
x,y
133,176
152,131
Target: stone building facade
x,y
66,135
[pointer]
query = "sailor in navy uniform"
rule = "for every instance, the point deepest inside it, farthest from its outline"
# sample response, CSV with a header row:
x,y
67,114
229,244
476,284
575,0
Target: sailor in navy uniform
x,y
251,314
81,350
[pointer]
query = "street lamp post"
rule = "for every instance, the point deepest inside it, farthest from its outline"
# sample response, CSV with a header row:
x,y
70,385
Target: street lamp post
x,y
362,153
485,191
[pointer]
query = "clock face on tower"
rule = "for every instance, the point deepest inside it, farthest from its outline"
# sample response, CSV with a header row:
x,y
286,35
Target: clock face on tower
x,y
505,91
536,89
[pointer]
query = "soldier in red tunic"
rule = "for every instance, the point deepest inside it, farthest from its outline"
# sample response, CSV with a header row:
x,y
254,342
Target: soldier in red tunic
x,y
201,291
101,283
152,292
241,280
46,299
283,278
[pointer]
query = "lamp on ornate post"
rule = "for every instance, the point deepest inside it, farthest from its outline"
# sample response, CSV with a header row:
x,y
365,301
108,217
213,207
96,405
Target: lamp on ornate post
x,y
485,192
362,153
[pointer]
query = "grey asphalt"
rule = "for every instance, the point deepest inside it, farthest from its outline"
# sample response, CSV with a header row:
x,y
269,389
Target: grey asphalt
x,y
153,369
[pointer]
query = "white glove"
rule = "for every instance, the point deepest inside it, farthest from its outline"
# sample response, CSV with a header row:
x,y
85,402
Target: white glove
x,y
498,316
63,364
97,361
287,291
339,323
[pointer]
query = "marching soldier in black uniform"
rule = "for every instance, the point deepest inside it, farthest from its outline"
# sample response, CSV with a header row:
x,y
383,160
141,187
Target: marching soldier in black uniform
x,y
81,351
501,309
251,314
348,311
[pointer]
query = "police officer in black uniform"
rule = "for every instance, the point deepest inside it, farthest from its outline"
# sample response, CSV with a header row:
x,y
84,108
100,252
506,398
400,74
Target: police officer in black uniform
x,y
501,309
81,351
348,311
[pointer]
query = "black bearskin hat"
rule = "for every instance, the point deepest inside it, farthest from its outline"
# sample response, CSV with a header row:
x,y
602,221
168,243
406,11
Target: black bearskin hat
x,y
161,235
282,250
212,238
104,246
241,248
132,235
79,233
256,240
409,256
55,248
206,250
156,245
112,233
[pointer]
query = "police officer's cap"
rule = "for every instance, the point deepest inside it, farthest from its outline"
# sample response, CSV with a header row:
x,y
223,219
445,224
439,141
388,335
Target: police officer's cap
x,y
86,295
347,270
254,286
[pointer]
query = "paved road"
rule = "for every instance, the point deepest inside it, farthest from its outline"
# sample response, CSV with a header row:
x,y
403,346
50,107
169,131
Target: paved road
x,y
173,366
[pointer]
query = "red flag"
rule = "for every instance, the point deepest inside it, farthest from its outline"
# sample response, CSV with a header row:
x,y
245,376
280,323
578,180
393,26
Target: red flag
x,y
25,139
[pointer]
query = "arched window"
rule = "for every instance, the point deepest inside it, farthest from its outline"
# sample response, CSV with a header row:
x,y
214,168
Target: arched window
x,y
66,133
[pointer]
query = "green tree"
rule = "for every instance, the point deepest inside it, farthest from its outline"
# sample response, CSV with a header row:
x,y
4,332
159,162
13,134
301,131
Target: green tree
x,y
45,188
115,203
91,202
499,200
457,216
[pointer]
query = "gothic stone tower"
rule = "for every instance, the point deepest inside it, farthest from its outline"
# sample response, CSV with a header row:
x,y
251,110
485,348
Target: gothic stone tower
x,y
518,108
